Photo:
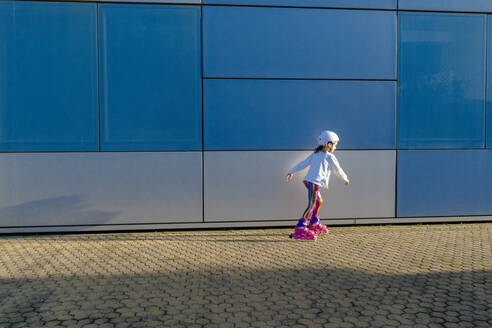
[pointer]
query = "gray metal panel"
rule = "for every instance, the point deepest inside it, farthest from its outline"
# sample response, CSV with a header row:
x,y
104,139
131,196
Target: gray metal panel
x,y
228,224
39,189
167,226
250,186
416,220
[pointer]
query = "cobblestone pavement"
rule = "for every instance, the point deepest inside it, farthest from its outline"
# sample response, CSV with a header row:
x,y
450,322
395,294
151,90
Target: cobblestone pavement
x,y
375,276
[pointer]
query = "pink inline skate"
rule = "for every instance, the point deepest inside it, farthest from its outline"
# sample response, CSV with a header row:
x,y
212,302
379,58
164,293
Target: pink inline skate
x,y
316,227
302,232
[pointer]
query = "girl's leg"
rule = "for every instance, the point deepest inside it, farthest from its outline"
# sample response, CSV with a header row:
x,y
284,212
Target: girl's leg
x,y
301,231
314,225
313,192
319,202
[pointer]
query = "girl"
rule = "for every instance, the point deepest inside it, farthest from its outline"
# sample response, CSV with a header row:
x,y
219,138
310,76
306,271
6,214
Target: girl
x,y
321,163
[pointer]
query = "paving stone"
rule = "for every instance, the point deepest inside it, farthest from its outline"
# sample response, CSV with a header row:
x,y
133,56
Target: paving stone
x,y
20,325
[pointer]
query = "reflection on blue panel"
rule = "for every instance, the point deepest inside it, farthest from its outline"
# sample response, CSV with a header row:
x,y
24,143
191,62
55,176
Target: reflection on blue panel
x,y
48,76
275,114
150,77
447,5
298,43
441,62
444,183
372,4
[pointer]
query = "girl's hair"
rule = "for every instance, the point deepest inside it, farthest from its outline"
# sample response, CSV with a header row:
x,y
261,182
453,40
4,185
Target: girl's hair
x,y
320,148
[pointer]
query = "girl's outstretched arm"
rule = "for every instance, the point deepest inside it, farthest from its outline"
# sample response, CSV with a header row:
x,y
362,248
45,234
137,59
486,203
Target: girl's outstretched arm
x,y
301,165
337,169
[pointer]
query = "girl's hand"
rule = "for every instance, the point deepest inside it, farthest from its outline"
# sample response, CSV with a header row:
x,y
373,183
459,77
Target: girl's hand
x,y
288,177
347,182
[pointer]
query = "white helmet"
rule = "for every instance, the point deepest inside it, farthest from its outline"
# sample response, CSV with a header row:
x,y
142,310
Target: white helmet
x,y
326,137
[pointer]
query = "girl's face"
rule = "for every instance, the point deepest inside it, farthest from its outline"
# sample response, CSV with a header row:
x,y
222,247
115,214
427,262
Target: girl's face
x,y
330,147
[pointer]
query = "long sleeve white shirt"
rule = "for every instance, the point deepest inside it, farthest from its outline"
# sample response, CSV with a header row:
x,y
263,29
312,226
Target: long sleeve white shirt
x,y
320,167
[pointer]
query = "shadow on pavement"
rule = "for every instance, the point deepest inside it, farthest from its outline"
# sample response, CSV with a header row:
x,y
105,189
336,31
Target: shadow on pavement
x,y
240,297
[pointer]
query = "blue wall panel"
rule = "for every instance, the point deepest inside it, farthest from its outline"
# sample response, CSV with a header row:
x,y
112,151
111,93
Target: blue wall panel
x,y
488,127
441,82
275,114
152,1
444,183
150,77
298,43
447,5
48,76
377,4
